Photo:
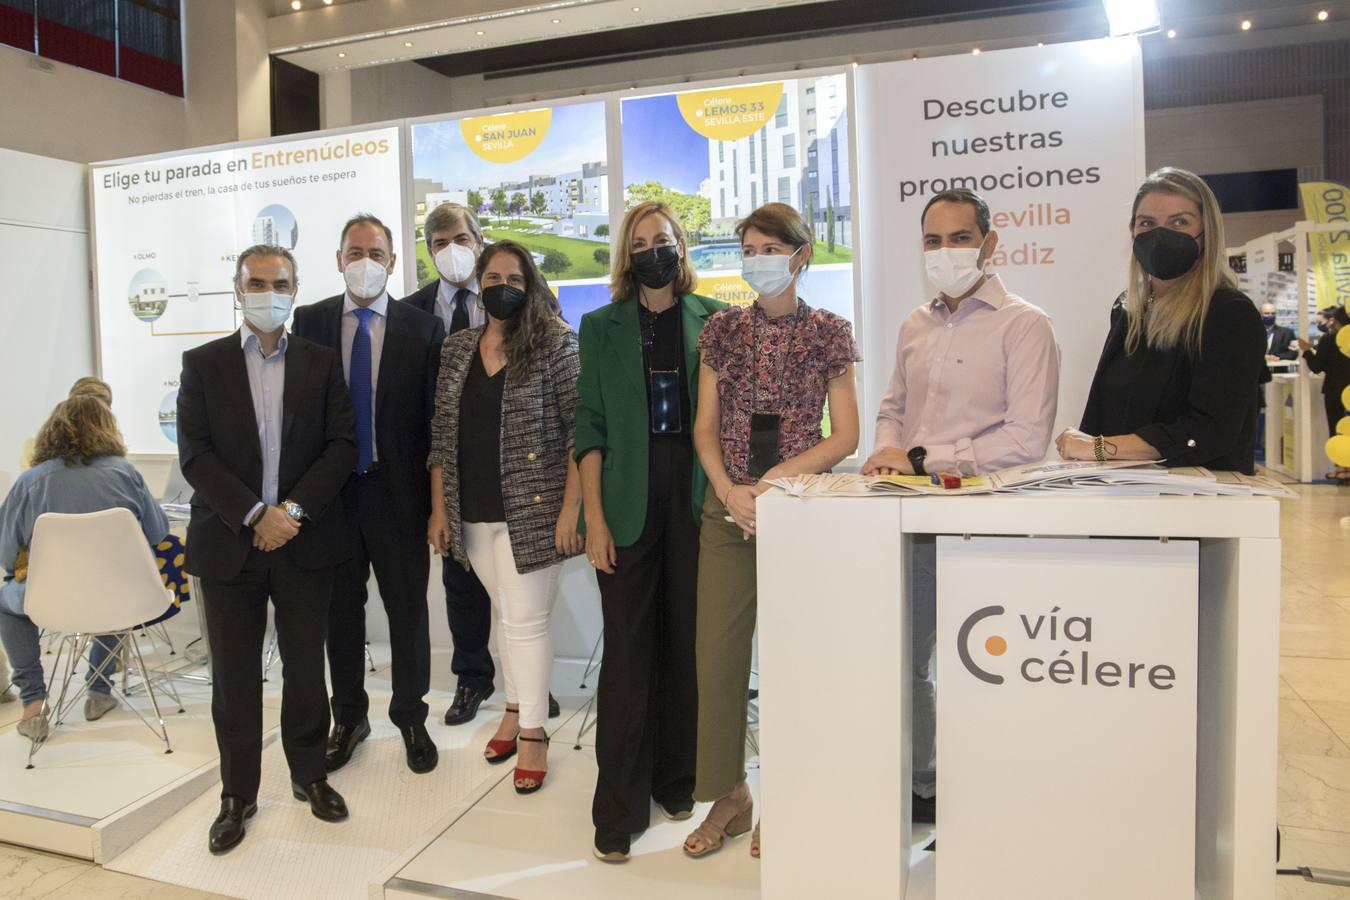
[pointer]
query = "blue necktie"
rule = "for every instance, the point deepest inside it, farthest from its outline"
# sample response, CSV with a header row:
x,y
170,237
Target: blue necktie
x,y
459,310
359,383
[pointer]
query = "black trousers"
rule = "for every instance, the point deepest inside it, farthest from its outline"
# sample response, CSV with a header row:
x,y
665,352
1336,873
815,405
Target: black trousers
x,y
236,621
648,692
1331,401
469,611
399,556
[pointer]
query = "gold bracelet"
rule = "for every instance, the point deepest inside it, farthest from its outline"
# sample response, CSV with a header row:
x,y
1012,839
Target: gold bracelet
x,y
1099,448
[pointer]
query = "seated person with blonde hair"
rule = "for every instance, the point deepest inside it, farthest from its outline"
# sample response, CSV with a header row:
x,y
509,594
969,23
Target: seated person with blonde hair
x,y
79,466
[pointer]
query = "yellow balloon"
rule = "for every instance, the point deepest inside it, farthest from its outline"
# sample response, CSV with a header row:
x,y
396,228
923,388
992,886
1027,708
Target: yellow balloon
x,y
1343,426
1345,398
1343,340
1338,449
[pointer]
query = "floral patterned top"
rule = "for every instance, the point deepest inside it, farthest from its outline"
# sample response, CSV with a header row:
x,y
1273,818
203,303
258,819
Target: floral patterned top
x,y
777,365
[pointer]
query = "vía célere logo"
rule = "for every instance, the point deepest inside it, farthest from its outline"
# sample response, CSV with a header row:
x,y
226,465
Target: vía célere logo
x,y
1051,648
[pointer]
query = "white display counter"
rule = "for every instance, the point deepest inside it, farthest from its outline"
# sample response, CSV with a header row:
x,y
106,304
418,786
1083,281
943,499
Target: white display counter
x,y
1296,426
834,673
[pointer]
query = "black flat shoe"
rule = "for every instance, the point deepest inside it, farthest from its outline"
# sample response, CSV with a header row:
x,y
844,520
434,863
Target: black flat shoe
x,y
228,828
923,809
465,707
342,744
612,846
422,753
324,802
554,710
677,811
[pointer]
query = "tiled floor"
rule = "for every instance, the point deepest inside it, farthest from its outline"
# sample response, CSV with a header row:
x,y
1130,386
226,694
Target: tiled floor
x,y
1314,784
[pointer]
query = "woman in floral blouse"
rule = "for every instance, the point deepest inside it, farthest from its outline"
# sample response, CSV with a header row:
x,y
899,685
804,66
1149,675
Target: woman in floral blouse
x,y
767,370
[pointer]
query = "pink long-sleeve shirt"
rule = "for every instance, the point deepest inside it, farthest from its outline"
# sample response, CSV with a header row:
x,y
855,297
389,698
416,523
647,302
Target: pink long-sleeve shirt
x,y
976,388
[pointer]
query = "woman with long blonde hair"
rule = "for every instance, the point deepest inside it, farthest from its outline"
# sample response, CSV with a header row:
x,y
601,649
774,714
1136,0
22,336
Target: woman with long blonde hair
x,y
1177,381
79,466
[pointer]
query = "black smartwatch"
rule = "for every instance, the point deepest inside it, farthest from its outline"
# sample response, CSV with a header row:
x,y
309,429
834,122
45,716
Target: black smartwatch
x,y
916,457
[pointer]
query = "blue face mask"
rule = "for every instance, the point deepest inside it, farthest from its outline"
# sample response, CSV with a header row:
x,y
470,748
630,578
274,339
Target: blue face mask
x,y
1268,320
1322,327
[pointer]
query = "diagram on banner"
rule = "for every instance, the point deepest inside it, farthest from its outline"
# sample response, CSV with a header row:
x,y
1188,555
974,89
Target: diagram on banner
x,y
169,231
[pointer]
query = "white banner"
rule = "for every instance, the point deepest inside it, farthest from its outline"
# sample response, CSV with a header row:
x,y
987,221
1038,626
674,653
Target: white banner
x,y
168,231
1053,138
1066,727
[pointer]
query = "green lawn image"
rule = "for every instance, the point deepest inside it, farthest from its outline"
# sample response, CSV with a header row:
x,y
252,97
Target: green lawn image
x,y
579,254
821,254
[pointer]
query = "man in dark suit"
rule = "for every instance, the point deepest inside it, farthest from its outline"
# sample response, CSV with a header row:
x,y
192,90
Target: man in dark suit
x,y
265,438
455,240
1279,340
390,353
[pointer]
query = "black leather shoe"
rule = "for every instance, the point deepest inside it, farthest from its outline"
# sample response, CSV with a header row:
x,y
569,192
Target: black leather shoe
x,y
465,707
422,754
923,809
228,828
324,802
612,846
554,710
342,744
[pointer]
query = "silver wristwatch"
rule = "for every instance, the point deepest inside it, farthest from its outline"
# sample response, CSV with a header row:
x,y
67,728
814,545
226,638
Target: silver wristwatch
x,y
293,509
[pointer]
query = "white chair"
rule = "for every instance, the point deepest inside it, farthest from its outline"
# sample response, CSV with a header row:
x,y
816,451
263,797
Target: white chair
x,y
93,574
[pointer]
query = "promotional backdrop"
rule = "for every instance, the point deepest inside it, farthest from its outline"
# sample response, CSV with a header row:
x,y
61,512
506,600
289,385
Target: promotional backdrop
x,y
537,176
1053,138
167,234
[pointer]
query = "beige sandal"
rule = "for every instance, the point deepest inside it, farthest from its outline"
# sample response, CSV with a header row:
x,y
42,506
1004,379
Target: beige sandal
x,y
754,842
730,817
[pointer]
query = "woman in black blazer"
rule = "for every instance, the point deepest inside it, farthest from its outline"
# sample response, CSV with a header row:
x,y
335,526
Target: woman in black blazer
x,y
506,496
1177,381
1328,359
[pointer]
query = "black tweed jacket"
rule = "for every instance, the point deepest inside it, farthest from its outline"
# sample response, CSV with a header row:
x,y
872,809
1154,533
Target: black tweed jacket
x,y
538,422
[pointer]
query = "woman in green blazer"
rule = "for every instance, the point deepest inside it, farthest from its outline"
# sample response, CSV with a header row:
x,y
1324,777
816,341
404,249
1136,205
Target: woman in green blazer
x,y
642,492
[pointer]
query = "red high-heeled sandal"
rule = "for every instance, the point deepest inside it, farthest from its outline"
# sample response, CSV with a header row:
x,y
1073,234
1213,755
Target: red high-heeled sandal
x,y
528,774
502,750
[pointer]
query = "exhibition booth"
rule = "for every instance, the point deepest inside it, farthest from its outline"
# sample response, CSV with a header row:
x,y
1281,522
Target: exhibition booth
x,y
1135,757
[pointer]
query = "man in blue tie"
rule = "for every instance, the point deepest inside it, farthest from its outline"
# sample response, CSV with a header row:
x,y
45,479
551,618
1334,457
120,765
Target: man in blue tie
x,y
390,356
455,240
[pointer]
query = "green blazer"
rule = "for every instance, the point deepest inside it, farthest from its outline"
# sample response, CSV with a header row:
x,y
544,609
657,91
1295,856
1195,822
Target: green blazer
x,y
612,414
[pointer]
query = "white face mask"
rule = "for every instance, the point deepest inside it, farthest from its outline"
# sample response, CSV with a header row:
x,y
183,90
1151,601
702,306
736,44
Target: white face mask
x,y
365,278
266,310
768,276
953,271
455,262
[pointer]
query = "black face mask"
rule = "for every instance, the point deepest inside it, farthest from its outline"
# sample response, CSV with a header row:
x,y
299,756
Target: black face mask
x,y
657,267
503,301
1165,253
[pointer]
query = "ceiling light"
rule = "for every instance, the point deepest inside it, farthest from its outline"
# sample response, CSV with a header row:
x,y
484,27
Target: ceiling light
x,y
1246,24
1171,33
407,43
327,2
637,9
1040,43
976,51
480,33
557,21
1322,15
341,55
1131,16
295,4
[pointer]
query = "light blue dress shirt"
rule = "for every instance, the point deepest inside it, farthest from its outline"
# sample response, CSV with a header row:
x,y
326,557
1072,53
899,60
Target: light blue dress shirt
x,y
445,304
266,381
376,327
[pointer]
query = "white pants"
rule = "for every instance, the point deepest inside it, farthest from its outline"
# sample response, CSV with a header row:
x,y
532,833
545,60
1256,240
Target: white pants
x,y
520,604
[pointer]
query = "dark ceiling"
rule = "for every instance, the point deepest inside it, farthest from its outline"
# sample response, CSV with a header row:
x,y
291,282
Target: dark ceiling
x,y
737,29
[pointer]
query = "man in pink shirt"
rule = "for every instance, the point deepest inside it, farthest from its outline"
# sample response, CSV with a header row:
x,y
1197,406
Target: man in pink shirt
x,y
974,390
